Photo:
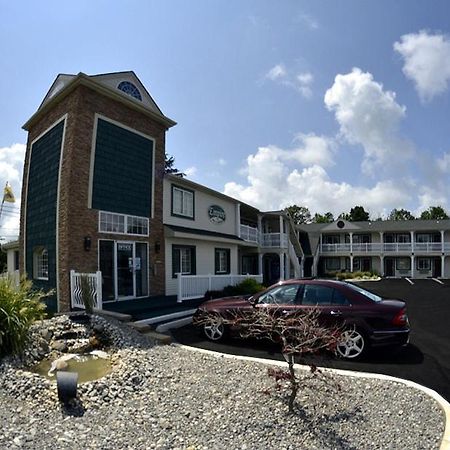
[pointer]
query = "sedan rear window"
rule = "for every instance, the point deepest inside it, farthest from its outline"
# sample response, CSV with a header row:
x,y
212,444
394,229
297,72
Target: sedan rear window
x,y
369,295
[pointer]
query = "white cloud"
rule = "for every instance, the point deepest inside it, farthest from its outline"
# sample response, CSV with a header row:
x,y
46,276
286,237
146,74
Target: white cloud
x,y
276,72
190,171
11,168
273,183
443,164
301,82
426,62
369,116
312,149
222,162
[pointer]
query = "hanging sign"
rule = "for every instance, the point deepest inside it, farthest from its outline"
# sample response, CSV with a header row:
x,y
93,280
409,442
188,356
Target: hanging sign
x,y
216,214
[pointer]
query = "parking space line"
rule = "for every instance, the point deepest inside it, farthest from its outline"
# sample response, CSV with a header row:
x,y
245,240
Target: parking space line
x,y
409,280
437,280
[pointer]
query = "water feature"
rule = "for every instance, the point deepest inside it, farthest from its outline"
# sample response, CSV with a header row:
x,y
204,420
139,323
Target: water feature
x,y
89,367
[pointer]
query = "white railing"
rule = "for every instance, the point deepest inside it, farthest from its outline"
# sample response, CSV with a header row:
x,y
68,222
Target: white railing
x,y
195,286
387,247
249,234
95,287
428,247
294,259
278,240
13,276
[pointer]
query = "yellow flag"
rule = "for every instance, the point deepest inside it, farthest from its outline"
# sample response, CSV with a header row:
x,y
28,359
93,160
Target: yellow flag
x,y
8,195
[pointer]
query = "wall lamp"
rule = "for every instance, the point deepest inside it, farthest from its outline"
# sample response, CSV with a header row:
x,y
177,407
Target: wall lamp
x,y
87,243
157,247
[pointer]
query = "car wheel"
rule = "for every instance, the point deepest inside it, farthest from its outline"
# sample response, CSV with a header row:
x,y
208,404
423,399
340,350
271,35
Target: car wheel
x,y
214,329
352,345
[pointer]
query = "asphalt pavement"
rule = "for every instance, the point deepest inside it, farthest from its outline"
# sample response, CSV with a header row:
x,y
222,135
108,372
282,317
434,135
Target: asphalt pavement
x,y
425,360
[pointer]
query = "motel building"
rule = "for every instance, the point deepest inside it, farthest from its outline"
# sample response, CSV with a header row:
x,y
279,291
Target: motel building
x,y
411,248
96,201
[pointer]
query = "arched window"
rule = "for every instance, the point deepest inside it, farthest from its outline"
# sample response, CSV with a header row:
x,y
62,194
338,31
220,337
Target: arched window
x,y
40,264
130,89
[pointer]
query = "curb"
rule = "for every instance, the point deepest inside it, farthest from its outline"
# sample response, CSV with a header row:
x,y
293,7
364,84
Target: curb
x,y
444,404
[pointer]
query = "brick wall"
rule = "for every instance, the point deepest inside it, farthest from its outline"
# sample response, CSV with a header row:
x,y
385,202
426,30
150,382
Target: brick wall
x,y
76,220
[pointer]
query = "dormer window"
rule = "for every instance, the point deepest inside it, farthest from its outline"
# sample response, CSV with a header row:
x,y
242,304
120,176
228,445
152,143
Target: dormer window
x,y
130,89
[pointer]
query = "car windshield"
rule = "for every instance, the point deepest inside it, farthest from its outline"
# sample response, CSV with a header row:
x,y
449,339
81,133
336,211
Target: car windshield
x,y
370,295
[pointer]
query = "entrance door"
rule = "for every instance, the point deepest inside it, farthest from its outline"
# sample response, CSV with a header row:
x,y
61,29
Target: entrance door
x,y
389,267
125,269
437,266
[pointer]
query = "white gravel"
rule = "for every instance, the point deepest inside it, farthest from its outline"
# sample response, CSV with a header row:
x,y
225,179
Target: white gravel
x,y
170,398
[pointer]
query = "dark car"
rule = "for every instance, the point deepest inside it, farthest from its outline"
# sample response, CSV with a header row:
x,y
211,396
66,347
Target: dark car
x,y
367,319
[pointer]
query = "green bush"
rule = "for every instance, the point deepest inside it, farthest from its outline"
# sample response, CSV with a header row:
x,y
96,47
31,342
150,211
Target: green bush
x,y
249,286
350,275
20,306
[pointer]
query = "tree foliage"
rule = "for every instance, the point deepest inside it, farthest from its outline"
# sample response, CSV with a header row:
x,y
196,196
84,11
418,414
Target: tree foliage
x,y
434,213
323,218
356,214
299,214
400,214
169,166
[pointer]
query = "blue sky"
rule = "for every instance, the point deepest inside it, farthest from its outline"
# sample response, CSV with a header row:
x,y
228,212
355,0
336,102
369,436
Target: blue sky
x,y
324,104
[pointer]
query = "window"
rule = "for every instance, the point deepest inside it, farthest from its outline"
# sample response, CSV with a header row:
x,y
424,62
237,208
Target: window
x,y
122,224
315,294
423,264
183,260
361,239
331,239
221,261
332,264
130,89
403,264
40,264
403,238
182,202
286,294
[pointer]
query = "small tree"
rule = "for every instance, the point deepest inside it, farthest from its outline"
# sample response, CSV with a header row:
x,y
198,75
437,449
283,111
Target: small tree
x,y
169,166
299,333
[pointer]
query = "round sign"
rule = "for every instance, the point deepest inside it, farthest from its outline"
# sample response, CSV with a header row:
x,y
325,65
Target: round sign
x,y
216,214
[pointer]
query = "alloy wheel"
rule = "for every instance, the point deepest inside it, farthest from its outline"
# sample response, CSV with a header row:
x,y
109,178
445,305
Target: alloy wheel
x,y
352,344
214,330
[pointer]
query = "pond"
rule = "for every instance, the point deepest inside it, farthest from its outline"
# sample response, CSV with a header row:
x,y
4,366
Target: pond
x,y
89,367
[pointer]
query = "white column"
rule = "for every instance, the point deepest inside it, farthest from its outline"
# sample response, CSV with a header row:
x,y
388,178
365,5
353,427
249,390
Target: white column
x,y
260,230
412,241
351,245
382,265
381,241
442,266
238,219
281,266
281,232
442,241
412,266
351,263
260,267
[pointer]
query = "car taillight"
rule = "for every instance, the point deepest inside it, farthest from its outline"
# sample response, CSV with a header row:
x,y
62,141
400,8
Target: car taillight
x,y
401,318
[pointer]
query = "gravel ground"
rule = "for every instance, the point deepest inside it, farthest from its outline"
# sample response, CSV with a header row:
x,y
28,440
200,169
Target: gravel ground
x,y
171,398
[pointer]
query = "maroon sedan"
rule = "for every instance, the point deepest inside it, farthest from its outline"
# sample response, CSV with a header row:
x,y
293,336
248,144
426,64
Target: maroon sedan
x,y
368,320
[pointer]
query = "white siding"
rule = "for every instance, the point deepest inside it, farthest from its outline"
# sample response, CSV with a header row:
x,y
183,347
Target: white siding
x,y
202,202
204,252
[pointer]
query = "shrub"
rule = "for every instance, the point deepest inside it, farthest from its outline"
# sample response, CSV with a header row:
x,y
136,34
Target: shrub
x,y
20,306
249,286
350,275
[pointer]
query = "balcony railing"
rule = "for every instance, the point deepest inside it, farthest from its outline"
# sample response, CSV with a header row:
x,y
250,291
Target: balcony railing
x,y
251,234
386,247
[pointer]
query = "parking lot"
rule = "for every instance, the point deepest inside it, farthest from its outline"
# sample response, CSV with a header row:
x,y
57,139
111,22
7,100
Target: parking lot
x,y
426,360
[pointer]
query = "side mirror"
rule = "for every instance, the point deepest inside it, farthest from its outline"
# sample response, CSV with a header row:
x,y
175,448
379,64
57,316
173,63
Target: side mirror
x,y
252,300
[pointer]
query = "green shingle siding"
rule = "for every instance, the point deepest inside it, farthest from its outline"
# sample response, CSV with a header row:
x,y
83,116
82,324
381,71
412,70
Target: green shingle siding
x,y
122,171
41,204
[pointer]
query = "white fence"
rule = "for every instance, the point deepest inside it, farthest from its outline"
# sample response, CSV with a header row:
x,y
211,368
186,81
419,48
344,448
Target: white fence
x,y
95,287
195,286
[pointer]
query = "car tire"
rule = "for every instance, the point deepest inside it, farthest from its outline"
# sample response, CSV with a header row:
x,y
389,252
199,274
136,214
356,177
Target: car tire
x,y
354,344
215,330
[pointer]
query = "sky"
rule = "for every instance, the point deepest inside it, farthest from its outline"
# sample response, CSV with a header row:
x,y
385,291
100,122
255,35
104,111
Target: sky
x,y
322,104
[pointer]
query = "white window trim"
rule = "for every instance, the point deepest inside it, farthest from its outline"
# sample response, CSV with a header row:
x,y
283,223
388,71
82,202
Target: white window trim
x,y
38,254
184,192
126,218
